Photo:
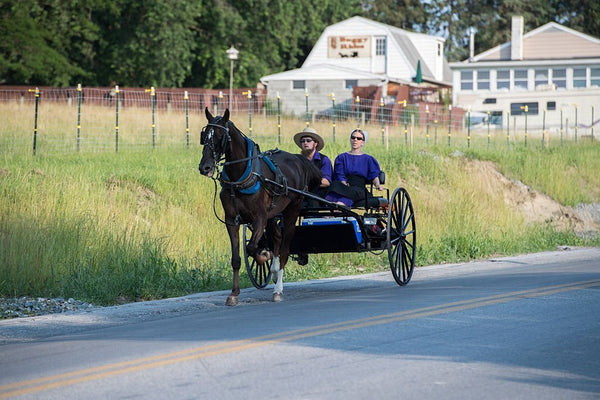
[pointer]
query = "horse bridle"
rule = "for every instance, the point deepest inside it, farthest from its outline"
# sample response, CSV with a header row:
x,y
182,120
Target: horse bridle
x,y
207,139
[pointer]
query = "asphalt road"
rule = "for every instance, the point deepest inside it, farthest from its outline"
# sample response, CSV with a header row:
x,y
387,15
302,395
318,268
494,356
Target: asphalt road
x,y
518,327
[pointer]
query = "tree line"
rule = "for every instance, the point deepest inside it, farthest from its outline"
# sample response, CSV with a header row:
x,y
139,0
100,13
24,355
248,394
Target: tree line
x,y
182,43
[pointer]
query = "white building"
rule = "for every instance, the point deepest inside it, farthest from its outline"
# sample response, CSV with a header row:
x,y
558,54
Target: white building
x,y
360,52
549,77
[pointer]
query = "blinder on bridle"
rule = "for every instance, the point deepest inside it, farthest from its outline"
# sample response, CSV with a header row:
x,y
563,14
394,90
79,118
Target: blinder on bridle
x,y
207,137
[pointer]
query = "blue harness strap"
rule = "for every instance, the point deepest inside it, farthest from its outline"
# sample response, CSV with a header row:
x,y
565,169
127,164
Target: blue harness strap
x,y
248,184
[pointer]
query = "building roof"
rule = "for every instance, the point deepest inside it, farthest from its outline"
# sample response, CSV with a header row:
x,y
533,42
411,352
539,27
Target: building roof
x,y
551,41
403,42
321,72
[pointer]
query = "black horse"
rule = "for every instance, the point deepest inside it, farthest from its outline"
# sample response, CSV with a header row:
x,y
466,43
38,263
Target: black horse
x,y
254,190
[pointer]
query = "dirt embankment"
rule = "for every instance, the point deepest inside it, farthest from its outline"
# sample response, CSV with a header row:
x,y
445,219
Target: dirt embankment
x,y
536,207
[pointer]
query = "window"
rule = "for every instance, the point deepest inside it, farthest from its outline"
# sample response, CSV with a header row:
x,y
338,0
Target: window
x,y
483,80
579,77
299,85
551,106
380,46
541,77
519,108
490,100
559,77
466,80
350,83
520,79
503,80
439,49
595,76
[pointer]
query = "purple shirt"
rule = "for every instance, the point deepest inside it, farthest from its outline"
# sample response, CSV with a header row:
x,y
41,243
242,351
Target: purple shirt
x,y
363,165
326,168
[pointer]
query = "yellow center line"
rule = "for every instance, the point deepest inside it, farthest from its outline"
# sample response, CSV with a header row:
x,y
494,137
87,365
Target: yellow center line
x,y
140,364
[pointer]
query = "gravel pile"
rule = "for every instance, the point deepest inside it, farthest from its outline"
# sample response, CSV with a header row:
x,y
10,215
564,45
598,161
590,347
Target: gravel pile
x,y
29,306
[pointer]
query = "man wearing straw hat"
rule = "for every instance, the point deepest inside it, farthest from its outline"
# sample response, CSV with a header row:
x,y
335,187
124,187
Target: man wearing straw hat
x,y
311,143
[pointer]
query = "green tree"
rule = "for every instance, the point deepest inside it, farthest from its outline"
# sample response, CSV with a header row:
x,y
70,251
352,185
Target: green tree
x,y
32,49
149,43
490,18
405,14
581,15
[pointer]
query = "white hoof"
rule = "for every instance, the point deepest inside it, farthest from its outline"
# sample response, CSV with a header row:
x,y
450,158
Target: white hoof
x,y
277,297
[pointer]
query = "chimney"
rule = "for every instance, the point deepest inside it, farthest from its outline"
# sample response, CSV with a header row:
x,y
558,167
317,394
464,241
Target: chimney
x,y
516,38
471,44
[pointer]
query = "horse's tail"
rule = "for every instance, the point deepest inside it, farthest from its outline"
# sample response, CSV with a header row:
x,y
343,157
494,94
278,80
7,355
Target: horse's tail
x,y
313,174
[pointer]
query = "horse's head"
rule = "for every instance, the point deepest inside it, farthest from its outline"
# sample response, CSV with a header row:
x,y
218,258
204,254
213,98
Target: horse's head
x,y
215,139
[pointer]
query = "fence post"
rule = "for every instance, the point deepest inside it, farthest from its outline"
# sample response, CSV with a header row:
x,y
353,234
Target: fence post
x,y
187,120
543,128
78,114
117,118
405,122
526,109
508,129
488,126
249,93
357,101
333,116
306,102
449,123
278,119
561,126
35,117
468,127
427,124
152,102
220,111
382,121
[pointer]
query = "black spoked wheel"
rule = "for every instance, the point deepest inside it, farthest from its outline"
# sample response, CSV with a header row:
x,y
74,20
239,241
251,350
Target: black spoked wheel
x,y
401,236
260,275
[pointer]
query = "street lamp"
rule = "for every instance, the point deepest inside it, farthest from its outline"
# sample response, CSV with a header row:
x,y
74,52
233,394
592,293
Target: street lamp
x,y
232,54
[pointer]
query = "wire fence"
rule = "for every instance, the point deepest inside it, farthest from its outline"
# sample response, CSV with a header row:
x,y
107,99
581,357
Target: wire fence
x,y
54,120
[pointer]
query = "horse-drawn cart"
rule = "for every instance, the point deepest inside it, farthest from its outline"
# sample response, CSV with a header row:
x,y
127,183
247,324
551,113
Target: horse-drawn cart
x,y
265,191
376,225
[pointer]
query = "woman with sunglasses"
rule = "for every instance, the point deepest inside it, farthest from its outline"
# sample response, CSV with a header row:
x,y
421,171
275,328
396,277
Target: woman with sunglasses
x,y
352,170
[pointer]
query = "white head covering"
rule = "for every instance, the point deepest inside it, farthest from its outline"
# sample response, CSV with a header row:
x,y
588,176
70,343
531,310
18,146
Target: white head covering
x,y
364,133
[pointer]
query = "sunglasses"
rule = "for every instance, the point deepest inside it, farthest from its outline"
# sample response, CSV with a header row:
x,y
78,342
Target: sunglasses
x,y
356,138
307,140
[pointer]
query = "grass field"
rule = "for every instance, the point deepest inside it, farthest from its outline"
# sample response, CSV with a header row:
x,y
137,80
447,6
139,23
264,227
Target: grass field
x,y
138,224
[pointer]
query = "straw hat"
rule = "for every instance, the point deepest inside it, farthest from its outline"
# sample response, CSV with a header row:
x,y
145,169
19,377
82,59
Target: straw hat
x,y
311,133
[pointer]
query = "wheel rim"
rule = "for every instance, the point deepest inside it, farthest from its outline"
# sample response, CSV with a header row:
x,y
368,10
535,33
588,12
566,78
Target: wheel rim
x,y
401,237
260,275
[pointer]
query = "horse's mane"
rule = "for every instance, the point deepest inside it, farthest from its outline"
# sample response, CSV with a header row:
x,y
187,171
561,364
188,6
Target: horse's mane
x,y
313,174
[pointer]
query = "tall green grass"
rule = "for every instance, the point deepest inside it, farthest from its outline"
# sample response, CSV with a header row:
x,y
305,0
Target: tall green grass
x,y
139,224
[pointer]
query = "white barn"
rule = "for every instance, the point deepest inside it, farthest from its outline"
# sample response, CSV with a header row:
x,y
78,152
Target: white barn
x,y
549,77
359,52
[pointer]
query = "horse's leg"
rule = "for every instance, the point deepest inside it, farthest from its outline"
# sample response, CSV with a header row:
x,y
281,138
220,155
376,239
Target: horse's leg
x,y
278,273
234,238
282,250
275,233
258,228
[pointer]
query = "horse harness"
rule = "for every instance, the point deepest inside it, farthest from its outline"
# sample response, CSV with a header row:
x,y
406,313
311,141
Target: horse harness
x,y
252,178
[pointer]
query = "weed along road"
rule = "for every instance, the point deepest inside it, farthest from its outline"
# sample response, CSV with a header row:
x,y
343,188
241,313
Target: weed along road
x,y
516,327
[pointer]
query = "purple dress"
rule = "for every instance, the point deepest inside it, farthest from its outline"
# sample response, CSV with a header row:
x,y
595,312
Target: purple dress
x,y
348,165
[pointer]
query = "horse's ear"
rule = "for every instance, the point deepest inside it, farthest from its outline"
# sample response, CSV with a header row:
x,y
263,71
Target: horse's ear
x,y
226,115
209,116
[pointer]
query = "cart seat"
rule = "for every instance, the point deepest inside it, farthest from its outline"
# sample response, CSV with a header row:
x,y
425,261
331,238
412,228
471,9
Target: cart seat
x,y
370,200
